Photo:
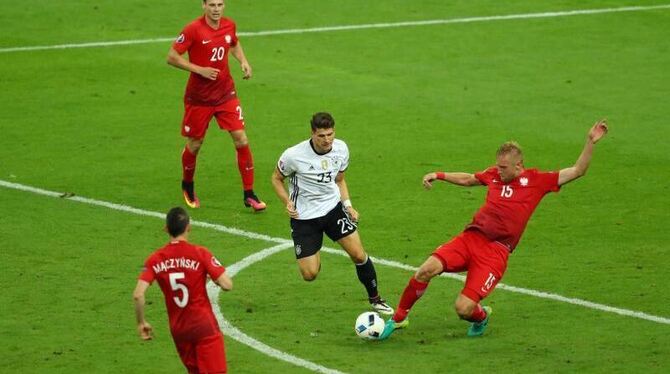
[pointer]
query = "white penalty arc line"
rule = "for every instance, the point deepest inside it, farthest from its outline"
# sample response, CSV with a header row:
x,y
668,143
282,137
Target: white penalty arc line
x,y
212,290
231,331
566,13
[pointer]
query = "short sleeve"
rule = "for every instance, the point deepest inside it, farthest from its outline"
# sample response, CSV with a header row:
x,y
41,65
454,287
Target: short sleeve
x,y
548,181
184,40
233,40
485,177
286,164
345,159
147,273
212,265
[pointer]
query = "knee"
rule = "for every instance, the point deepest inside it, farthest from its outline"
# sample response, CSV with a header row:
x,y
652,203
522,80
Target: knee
x,y
309,276
194,145
426,273
359,258
240,141
464,310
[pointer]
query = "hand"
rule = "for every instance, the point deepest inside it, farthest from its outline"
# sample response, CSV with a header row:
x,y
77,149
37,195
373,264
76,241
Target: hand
x,y
598,131
145,330
246,69
353,214
290,209
209,73
428,180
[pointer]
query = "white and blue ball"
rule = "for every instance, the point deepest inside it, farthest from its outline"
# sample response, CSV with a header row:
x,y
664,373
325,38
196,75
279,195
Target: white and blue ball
x,y
369,325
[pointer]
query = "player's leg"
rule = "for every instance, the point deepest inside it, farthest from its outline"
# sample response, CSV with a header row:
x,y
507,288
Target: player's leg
x,y
310,266
229,117
449,257
187,354
469,308
416,286
307,241
211,355
340,228
194,126
365,270
245,164
489,262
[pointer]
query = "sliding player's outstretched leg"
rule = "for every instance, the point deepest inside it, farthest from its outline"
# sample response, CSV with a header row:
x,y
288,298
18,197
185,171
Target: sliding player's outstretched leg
x,y
415,288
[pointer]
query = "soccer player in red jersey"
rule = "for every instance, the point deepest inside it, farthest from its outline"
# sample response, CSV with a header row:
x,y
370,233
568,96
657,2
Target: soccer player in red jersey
x,y
210,92
181,270
483,248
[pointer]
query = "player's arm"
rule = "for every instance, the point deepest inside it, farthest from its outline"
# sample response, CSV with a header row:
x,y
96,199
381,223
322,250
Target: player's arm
x,y
344,196
460,179
597,132
225,282
143,327
238,53
177,60
282,194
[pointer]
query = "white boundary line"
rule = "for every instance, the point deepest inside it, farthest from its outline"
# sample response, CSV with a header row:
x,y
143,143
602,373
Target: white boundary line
x,y
253,235
233,269
530,292
566,13
212,290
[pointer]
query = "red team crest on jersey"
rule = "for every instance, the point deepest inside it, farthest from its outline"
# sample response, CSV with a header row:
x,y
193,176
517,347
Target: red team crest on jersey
x,y
216,262
180,38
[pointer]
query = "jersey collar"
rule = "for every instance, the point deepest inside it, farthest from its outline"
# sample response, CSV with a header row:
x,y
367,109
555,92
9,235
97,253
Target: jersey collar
x,y
317,152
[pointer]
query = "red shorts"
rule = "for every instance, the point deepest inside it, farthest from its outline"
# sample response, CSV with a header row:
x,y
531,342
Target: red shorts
x,y
196,118
484,260
207,355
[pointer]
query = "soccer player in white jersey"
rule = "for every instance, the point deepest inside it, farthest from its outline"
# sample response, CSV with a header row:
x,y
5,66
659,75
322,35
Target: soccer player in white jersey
x,y
318,202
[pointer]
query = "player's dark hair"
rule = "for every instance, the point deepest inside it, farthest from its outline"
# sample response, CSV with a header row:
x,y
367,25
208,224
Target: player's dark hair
x,y
176,221
322,120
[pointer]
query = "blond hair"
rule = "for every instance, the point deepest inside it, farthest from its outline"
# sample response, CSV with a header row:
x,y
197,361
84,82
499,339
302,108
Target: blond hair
x,y
510,147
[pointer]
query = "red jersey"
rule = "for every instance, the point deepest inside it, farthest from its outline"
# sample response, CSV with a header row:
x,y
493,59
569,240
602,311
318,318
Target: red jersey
x,y
181,270
208,47
508,207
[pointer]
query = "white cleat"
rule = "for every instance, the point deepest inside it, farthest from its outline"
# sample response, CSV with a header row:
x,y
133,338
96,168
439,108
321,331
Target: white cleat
x,y
380,306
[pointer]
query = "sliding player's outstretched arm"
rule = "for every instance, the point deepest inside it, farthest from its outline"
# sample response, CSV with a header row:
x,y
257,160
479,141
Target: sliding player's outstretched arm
x,y
597,132
460,179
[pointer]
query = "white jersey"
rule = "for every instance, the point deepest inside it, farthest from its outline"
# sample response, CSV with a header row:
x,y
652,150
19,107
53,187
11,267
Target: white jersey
x,y
312,187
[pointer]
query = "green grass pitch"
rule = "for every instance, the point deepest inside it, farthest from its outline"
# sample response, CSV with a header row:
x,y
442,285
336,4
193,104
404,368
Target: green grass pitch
x,y
104,122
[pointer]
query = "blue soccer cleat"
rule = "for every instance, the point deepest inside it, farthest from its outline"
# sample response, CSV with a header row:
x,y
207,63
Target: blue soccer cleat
x,y
391,326
478,328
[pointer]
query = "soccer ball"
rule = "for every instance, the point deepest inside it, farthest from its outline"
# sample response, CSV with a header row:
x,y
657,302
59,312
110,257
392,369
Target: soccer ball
x,y
369,325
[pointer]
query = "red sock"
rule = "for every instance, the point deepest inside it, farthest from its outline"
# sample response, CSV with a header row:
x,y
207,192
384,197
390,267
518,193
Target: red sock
x,y
246,165
188,164
412,293
478,314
